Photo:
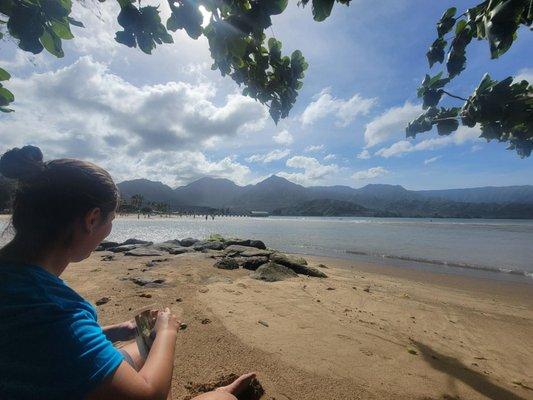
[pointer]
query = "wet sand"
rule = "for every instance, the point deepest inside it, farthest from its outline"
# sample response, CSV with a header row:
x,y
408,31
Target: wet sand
x,y
365,332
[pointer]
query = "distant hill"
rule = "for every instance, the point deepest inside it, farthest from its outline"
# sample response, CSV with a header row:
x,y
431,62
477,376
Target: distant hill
x,y
489,194
276,194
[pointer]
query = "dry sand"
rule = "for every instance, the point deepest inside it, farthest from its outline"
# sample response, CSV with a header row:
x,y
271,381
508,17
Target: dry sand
x,y
362,333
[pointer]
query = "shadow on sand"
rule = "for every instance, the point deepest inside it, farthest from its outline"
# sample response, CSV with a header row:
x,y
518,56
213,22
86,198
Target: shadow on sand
x,y
456,369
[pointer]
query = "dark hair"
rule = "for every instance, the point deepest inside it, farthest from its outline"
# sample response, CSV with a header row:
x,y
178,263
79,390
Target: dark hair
x,y
50,197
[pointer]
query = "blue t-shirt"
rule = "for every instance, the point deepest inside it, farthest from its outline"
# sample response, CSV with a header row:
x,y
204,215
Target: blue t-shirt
x,y
51,346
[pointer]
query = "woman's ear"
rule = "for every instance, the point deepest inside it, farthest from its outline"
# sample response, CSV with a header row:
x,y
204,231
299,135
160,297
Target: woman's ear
x,y
92,219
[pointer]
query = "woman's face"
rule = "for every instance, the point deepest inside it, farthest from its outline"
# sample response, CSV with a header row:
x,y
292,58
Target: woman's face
x,y
95,229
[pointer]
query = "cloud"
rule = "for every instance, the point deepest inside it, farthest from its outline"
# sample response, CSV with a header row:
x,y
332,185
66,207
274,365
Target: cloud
x,y
85,111
314,171
525,74
284,137
370,173
94,106
462,135
313,148
274,155
344,111
391,123
330,157
364,155
431,160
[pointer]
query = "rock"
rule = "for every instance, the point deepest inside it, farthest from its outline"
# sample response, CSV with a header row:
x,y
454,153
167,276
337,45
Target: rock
x,y
188,242
135,241
258,244
180,250
295,263
264,323
106,245
183,326
322,266
146,295
109,257
206,321
412,351
203,290
150,264
103,300
143,281
330,288
245,251
207,245
126,247
226,263
143,251
179,300
272,272
367,289
251,263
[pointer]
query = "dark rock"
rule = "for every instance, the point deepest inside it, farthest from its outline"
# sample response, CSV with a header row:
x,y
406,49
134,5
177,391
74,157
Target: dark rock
x,y
147,295
109,257
208,245
330,288
251,263
258,244
126,247
135,241
272,272
188,242
297,265
143,281
179,300
367,289
103,300
322,266
264,323
226,263
238,242
106,245
183,326
143,251
206,321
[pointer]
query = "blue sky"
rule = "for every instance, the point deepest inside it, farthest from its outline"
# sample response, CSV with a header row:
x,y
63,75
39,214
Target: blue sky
x,y
168,117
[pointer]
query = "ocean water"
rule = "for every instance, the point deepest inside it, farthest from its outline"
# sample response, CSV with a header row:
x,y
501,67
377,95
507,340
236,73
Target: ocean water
x,y
497,249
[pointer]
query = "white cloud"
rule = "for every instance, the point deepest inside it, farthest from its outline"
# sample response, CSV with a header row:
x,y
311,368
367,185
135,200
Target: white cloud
x,y
462,135
525,74
431,160
330,157
284,137
313,148
364,155
314,171
391,123
274,155
344,111
85,111
370,173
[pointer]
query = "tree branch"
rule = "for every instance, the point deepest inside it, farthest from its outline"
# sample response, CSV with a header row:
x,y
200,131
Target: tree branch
x,y
454,96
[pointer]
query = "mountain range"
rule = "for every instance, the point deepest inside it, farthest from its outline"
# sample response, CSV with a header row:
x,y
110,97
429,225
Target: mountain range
x,y
282,197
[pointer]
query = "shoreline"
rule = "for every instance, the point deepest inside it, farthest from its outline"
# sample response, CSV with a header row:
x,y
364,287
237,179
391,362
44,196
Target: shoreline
x,y
377,332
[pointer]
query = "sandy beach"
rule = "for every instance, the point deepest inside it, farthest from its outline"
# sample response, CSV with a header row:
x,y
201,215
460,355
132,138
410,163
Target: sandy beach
x,y
365,332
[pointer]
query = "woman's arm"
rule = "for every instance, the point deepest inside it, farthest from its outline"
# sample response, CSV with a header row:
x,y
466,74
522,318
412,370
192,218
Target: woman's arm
x,y
153,381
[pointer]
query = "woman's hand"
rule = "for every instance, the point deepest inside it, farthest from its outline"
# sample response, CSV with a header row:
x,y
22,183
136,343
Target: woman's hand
x,y
166,322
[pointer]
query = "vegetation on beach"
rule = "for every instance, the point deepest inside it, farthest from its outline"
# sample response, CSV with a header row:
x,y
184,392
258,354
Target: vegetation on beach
x,y
240,49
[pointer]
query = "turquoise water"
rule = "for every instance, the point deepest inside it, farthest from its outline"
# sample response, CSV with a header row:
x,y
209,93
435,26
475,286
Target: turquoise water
x,y
499,249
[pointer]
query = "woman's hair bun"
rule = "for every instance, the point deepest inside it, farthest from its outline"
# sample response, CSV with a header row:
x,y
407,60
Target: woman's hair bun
x,y
22,164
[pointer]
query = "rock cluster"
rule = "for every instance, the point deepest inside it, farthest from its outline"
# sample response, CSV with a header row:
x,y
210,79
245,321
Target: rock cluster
x,y
267,264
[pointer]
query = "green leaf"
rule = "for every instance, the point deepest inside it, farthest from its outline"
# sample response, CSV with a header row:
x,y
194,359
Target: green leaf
x,y
322,9
6,97
62,29
4,75
436,52
447,126
52,43
446,22
275,7
460,26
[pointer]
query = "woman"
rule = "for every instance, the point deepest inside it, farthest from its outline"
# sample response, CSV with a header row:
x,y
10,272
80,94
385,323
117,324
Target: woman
x,y
51,346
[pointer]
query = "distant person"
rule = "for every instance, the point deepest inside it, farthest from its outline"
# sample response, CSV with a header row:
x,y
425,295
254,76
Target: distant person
x,y
51,345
